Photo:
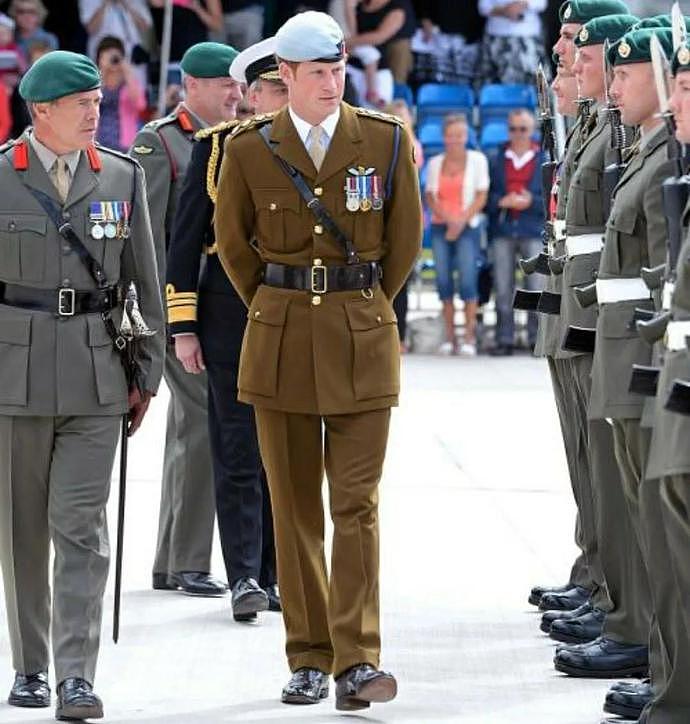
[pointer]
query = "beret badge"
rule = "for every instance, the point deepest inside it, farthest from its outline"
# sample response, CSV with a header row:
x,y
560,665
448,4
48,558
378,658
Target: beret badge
x,y
567,12
584,35
684,55
624,49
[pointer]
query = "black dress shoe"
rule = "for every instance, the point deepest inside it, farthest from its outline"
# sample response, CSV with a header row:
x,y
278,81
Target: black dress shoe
x,y
538,591
638,686
30,690
77,701
566,601
307,686
248,599
501,350
196,583
580,629
603,659
161,582
628,704
548,617
273,598
361,685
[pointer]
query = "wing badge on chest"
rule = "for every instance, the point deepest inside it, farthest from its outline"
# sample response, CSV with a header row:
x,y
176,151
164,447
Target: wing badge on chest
x,y
363,190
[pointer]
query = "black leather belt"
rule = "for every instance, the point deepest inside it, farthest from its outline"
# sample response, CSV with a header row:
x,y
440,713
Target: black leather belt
x,y
63,302
320,279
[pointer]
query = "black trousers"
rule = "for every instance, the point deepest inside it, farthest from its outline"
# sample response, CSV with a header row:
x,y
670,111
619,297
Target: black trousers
x,y
400,303
243,503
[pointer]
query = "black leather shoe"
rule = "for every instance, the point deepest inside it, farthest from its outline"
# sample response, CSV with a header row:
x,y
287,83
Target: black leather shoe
x,y
273,598
638,686
196,583
603,659
580,629
307,686
628,704
248,599
161,582
548,617
566,601
77,701
30,690
501,350
361,685
538,591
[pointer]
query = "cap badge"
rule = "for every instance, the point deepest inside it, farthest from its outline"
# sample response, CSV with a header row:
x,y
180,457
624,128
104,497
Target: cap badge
x,y
584,35
624,49
684,55
568,12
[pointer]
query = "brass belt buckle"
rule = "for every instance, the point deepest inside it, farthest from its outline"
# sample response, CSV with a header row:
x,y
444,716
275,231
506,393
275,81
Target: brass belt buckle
x,y
66,302
319,280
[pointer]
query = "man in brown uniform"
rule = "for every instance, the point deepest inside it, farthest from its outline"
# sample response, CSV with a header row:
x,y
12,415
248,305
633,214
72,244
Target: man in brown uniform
x,y
320,359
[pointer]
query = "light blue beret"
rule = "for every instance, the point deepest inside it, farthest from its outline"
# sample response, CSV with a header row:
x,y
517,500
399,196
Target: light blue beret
x,y
310,36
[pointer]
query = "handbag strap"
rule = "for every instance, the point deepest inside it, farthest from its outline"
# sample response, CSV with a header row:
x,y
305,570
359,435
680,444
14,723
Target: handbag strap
x,y
313,203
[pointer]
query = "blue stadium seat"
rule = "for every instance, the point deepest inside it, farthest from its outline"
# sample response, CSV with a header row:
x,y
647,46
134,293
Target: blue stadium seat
x,y
430,135
493,134
404,92
435,100
497,100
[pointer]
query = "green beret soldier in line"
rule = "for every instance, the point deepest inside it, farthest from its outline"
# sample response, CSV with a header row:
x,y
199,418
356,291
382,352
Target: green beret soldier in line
x,y
318,223
635,238
63,389
618,640
207,330
187,509
586,577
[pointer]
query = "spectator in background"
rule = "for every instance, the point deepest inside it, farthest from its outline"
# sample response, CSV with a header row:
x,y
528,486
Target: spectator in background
x,y
129,20
5,114
516,220
512,47
388,25
12,62
123,96
29,15
244,22
400,109
192,22
457,186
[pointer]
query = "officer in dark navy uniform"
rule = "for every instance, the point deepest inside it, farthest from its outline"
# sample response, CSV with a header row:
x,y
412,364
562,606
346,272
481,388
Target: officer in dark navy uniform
x,y
207,319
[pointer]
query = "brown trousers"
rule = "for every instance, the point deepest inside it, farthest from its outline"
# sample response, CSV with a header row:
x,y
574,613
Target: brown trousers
x,y
331,624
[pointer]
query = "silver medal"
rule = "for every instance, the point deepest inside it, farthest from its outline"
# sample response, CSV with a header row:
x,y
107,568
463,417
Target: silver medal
x,y
110,230
97,232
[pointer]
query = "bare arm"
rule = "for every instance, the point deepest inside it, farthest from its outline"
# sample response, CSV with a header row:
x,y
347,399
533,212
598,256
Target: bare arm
x,y
211,15
96,20
386,30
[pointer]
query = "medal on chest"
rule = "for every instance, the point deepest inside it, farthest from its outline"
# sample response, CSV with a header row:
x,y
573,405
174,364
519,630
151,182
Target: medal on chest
x,y
109,219
362,190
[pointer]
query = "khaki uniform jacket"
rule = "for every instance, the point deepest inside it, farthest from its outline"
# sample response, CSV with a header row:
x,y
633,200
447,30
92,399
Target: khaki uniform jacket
x,y
635,238
163,148
53,365
669,452
340,355
584,215
549,333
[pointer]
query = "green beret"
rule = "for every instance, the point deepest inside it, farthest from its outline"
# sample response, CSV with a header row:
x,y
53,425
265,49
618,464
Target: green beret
x,y
59,73
635,46
608,27
659,21
208,60
582,11
681,59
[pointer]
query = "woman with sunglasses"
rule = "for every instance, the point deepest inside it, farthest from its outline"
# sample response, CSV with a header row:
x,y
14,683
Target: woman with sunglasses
x,y
29,15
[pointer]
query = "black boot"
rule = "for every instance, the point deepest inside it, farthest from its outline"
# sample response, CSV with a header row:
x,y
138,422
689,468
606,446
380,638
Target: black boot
x,y
76,700
273,598
580,629
362,685
628,703
196,583
30,690
603,659
548,617
567,601
307,686
248,599
538,591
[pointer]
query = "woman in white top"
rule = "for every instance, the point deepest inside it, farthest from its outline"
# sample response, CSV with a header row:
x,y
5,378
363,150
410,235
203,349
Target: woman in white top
x,y
456,192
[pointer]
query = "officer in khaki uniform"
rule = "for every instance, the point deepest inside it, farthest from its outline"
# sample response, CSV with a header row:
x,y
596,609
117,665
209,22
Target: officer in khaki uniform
x,y
320,358
164,147
666,488
63,390
620,649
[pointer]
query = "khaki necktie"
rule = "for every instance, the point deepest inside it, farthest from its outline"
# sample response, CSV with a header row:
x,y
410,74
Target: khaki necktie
x,y
315,146
59,175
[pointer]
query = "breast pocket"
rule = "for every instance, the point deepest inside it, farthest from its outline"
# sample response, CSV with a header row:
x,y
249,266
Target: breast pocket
x,y
584,195
363,228
278,219
22,247
624,253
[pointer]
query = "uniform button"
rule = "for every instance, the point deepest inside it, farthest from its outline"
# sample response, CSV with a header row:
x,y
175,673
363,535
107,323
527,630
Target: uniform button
x,y
318,191
66,215
66,248
65,282
257,314
317,262
273,206
318,229
316,300
378,319
12,226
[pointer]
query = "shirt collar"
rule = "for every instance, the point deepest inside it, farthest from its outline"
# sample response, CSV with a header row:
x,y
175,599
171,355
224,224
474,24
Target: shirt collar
x,y
520,161
303,128
48,157
202,123
645,138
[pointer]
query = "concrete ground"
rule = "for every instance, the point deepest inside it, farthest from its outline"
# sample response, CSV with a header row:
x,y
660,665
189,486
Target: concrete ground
x,y
475,508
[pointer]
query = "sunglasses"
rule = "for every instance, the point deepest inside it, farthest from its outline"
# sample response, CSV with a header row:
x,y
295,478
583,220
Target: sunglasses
x,y
518,129
26,11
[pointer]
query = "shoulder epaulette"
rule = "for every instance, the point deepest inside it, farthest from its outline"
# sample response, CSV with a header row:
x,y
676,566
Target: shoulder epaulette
x,y
5,147
378,115
160,122
218,128
253,122
112,152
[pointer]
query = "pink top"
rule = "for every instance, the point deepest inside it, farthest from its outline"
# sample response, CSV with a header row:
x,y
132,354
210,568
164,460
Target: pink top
x,y
449,196
130,113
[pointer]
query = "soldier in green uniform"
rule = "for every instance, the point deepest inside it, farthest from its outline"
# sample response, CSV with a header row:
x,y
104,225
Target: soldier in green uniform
x,y
63,389
318,222
164,147
620,649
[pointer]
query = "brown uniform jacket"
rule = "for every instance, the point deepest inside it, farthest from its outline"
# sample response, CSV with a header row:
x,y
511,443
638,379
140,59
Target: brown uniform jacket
x,y
341,354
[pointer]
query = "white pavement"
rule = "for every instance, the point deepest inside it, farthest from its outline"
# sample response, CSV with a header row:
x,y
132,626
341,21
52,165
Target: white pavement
x,y
467,527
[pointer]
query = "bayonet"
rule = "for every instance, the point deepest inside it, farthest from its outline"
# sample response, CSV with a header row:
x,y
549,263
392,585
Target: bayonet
x,y
678,27
619,141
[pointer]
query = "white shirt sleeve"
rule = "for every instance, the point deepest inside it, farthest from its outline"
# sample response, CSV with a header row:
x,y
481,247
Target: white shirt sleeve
x,y
482,172
87,9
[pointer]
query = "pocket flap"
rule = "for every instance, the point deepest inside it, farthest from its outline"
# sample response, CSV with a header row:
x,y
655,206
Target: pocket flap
x,y
623,221
275,200
23,222
582,269
16,331
98,334
363,316
268,309
617,319
588,180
